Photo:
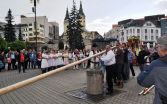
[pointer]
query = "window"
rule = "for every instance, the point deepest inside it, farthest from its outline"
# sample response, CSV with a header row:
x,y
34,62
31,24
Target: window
x,y
152,38
30,29
41,26
146,38
130,30
138,30
133,31
156,37
145,30
30,34
127,31
30,24
148,24
152,31
157,31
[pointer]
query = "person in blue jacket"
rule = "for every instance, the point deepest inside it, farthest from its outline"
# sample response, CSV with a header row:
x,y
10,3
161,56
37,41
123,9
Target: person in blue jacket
x,y
156,73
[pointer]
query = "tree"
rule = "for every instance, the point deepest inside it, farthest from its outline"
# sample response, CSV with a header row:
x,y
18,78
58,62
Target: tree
x,y
3,44
20,35
61,45
9,31
74,29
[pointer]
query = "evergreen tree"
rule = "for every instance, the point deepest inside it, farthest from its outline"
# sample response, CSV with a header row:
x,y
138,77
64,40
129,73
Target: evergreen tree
x,y
74,29
20,35
61,45
9,31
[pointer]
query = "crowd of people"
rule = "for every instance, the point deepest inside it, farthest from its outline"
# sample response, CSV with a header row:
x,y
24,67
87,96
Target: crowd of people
x,y
116,62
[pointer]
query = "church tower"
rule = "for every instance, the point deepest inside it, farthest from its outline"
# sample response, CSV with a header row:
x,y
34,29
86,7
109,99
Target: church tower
x,y
82,15
66,21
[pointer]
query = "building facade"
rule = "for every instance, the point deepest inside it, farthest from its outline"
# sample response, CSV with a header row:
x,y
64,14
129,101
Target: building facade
x,y
148,29
46,31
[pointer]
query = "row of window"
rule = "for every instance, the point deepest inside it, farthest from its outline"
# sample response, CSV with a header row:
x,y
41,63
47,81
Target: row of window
x,y
152,38
42,26
139,31
30,29
30,34
146,38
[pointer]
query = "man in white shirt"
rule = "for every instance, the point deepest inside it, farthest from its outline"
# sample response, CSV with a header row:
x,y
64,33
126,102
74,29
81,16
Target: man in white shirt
x,y
109,62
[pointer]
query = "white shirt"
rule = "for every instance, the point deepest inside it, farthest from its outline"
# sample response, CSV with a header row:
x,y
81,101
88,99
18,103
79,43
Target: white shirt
x,y
109,58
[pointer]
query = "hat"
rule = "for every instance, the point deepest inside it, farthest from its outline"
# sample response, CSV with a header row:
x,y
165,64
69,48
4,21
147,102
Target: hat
x,y
162,40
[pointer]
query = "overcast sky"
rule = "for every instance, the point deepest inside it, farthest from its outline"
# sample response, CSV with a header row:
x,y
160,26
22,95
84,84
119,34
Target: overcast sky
x,y
100,14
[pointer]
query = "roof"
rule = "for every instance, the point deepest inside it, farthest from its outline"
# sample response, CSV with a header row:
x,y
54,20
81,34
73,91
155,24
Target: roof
x,y
140,23
154,17
67,15
81,9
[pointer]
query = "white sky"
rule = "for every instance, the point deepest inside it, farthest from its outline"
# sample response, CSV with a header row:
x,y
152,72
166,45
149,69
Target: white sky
x,y
100,14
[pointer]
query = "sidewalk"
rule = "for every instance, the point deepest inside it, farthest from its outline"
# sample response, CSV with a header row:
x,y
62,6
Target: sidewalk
x,y
53,90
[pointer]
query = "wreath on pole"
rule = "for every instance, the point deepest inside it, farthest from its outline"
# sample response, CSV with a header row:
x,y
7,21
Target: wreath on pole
x,y
134,41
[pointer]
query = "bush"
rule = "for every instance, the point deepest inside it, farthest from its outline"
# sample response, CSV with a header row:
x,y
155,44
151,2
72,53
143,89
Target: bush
x,y
17,45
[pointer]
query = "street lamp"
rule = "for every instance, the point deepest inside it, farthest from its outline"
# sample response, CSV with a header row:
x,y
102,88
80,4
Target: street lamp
x,y
35,23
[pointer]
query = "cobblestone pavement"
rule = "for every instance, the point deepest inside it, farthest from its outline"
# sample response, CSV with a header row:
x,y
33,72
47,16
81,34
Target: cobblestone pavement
x,y
52,90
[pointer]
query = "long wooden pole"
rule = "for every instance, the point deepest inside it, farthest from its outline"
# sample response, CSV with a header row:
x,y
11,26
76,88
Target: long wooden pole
x,y
42,76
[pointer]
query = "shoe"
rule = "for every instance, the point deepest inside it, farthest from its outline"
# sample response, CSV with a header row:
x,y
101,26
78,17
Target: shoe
x,y
121,85
109,92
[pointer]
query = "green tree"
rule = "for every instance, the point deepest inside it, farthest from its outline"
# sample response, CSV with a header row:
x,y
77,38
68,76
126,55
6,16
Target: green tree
x,y
9,31
3,44
74,29
17,45
20,35
61,45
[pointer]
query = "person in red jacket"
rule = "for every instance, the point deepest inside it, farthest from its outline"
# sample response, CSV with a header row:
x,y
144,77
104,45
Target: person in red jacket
x,y
21,61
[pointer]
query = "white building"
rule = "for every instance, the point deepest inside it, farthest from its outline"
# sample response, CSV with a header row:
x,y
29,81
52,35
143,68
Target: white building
x,y
46,30
114,32
148,30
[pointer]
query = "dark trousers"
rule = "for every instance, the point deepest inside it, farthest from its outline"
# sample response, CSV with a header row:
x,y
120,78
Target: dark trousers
x,y
26,64
126,71
13,64
9,66
115,74
132,70
39,64
21,66
119,68
33,64
109,77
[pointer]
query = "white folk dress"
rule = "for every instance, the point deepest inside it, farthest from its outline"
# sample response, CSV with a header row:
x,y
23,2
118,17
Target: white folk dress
x,y
59,59
44,62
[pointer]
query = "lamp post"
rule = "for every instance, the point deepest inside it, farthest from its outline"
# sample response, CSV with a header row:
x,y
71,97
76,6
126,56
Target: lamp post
x,y
35,23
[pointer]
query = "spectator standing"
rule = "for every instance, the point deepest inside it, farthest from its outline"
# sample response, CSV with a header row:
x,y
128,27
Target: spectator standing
x,y
119,65
21,62
109,62
131,56
156,73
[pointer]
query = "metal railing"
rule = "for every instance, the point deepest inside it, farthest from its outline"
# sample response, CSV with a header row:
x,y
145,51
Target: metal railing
x,y
21,84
